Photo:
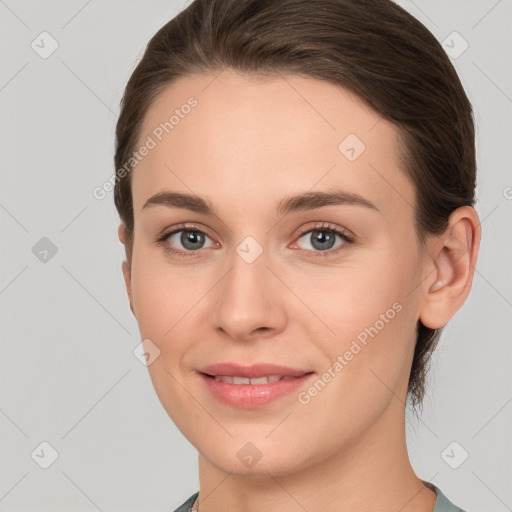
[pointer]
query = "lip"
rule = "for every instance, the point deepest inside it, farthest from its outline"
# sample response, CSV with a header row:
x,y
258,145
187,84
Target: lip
x,y
252,396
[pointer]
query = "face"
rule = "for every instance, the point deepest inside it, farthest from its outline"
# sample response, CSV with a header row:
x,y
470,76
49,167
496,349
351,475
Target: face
x,y
325,286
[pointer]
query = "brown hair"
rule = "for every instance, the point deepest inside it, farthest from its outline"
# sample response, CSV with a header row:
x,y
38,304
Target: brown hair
x,y
373,48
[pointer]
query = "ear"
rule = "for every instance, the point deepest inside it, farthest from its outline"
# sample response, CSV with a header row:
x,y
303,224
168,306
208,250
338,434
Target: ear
x,y
454,255
127,273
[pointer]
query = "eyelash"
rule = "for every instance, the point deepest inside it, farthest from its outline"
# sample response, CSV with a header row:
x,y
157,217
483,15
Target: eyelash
x,y
325,227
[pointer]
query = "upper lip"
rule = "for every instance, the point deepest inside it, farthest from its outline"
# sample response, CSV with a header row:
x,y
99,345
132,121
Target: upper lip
x,y
253,371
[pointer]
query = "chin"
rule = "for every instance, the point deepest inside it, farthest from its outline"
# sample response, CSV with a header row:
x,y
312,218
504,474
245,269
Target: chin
x,y
247,460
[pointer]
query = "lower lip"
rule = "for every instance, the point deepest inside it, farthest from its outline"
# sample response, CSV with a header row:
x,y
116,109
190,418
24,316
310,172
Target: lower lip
x,y
252,396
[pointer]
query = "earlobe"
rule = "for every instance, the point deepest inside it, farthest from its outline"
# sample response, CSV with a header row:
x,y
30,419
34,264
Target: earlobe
x,y
454,258
121,233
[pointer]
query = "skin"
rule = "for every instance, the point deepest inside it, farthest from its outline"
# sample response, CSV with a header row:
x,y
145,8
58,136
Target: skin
x,y
246,145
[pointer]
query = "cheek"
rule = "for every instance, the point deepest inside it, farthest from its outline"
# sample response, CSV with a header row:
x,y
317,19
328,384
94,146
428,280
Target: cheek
x,y
169,308
162,293
163,303
372,317
152,302
350,298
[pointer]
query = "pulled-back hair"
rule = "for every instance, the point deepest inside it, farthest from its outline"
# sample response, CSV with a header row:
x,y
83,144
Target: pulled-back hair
x,y
373,48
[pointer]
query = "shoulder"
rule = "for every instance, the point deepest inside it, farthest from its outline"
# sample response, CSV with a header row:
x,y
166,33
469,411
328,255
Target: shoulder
x,y
443,504
185,507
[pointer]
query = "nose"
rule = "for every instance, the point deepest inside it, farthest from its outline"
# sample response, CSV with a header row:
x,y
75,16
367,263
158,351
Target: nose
x,y
251,300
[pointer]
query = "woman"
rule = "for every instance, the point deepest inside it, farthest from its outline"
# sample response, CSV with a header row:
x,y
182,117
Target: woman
x,y
295,181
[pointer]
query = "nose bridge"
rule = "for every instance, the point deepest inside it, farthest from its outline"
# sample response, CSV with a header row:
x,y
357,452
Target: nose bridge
x,y
248,300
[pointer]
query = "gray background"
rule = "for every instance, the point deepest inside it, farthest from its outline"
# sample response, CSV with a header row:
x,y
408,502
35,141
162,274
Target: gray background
x,y
68,373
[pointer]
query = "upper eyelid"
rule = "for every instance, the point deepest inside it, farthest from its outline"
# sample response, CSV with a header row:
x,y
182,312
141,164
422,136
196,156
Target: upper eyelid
x,y
180,227
326,226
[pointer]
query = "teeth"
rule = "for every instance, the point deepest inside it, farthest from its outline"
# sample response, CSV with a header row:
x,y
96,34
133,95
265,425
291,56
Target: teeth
x,y
229,380
263,380
240,380
256,380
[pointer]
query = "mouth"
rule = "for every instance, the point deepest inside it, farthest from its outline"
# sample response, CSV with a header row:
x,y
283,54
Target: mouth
x,y
250,387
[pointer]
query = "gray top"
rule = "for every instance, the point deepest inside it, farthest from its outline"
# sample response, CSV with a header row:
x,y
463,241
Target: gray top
x,y
443,504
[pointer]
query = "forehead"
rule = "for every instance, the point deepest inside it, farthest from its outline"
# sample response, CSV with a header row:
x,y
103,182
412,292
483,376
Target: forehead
x,y
213,134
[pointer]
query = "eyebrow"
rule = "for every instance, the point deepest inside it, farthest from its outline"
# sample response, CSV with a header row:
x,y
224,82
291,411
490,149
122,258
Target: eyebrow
x,y
301,202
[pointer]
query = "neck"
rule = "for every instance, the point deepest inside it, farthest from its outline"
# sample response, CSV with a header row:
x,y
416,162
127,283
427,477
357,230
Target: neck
x,y
372,472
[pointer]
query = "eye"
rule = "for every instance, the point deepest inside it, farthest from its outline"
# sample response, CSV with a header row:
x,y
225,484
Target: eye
x,y
188,240
322,239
